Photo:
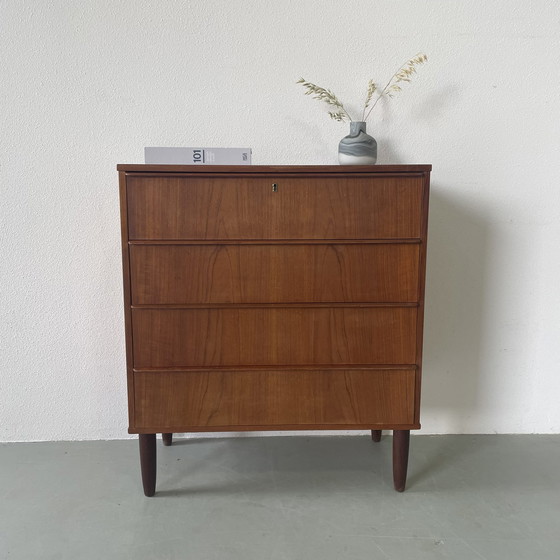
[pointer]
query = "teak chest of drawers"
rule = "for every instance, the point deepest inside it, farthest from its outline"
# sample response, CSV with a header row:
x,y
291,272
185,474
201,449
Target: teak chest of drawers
x,y
273,298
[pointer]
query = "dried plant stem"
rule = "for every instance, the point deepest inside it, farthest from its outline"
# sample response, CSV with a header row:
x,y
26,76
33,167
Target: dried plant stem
x,y
328,97
372,88
409,64
403,74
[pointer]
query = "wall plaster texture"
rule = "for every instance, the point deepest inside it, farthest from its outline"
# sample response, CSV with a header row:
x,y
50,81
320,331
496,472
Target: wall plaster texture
x,y
86,85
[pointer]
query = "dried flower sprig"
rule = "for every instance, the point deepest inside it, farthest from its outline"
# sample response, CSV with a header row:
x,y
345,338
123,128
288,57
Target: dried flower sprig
x,y
328,97
403,74
371,89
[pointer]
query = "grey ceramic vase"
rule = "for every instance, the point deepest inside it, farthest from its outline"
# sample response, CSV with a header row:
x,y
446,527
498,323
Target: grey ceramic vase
x,y
358,148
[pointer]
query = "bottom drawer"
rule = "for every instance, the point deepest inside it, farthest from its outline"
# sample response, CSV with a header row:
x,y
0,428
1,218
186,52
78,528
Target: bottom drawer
x,y
272,399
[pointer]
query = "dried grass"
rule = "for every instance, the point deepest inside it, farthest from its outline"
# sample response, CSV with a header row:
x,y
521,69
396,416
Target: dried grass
x,y
403,74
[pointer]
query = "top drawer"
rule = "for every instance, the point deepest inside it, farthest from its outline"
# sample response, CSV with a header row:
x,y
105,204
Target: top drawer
x,y
238,208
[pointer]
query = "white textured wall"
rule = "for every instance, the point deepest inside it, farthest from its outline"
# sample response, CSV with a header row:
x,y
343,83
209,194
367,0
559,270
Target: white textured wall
x,y
86,85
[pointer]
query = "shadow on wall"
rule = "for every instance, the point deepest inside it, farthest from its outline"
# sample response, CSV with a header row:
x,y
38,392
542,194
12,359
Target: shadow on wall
x,y
387,154
455,300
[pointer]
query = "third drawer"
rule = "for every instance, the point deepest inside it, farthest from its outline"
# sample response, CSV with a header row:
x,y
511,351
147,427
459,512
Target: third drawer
x,y
253,336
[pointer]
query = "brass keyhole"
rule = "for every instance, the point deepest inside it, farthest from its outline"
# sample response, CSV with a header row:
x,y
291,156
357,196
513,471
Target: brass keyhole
x,y
274,187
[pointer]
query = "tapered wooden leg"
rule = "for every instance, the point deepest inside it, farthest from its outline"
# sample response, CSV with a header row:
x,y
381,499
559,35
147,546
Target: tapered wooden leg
x,y
376,435
148,462
401,441
167,439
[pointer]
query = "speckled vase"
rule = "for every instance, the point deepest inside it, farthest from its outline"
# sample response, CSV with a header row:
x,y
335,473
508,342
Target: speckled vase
x,y
358,148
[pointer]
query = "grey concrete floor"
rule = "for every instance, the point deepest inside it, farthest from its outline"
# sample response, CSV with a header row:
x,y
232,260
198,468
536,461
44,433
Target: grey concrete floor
x,y
280,498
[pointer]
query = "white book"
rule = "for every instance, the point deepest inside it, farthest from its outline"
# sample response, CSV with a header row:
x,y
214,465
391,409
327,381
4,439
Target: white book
x,y
198,156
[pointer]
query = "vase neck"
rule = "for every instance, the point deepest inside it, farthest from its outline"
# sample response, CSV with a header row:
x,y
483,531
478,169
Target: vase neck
x,y
356,127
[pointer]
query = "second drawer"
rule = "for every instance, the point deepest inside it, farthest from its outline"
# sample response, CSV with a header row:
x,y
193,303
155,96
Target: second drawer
x,y
274,273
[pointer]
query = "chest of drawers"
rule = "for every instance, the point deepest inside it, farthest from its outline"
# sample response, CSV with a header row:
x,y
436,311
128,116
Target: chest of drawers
x,y
273,298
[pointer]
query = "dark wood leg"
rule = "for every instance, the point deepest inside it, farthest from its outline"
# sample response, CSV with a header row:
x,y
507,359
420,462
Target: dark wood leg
x,y
401,441
148,462
376,435
167,439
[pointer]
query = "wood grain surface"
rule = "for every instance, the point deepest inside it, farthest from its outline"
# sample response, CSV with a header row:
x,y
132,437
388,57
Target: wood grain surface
x,y
182,274
273,398
173,207
273,336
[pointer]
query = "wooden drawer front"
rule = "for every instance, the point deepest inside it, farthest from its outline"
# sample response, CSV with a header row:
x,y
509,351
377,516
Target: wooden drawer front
x,y
223,399
181,274
272,336
247,208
